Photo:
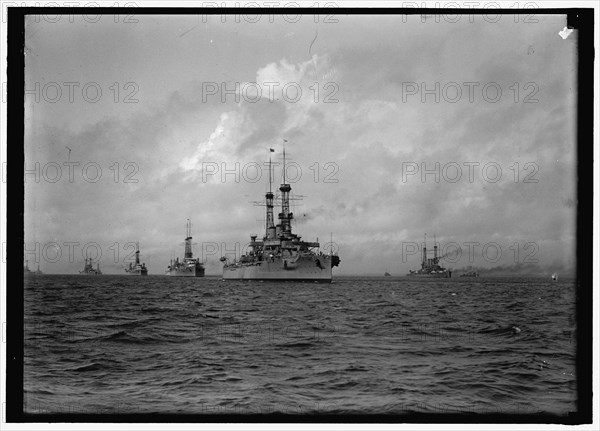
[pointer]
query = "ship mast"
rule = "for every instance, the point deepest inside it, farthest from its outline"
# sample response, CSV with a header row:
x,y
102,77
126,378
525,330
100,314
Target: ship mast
x,y
188,240
435,250
270,228
424,250
137,254
270,151
285,216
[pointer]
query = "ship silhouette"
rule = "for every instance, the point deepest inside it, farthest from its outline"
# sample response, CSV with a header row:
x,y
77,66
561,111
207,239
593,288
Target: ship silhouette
x,y
281,255
430,267
137,268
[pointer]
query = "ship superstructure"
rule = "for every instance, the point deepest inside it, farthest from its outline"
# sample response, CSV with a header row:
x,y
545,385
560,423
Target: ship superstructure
x,y
430,267
189,266
137,268
280,254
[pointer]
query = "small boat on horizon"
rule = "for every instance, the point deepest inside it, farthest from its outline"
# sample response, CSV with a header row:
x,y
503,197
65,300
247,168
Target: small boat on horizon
x,y
27,271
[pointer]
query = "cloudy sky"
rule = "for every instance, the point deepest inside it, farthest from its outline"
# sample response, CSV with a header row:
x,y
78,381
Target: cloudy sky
x,y
179,113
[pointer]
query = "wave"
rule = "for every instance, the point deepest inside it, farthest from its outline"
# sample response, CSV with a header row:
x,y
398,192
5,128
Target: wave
x,y
121,337
94,366
133,323
504,331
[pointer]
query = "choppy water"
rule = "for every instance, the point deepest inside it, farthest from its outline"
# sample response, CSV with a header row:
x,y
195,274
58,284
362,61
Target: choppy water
x,y
119,344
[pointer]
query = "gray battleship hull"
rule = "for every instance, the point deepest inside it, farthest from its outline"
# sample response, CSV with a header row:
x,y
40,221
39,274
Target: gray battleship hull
x,y
304,269
137,272
186,272
430,274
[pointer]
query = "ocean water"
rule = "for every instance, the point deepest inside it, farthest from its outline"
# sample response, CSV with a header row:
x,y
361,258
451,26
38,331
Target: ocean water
x,y
388,345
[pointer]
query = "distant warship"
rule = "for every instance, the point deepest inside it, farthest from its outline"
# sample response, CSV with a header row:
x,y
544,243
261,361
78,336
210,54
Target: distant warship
x,y
89,268
190,266
137,268
281,255
430,267
27,271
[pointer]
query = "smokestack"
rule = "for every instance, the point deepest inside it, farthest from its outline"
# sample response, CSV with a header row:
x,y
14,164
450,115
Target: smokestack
x,y
270,225
285,216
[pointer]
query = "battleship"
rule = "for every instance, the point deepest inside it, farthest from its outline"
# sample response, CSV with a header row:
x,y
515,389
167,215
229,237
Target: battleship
x,y
89,268
189,266
137,268
430,267
281,255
